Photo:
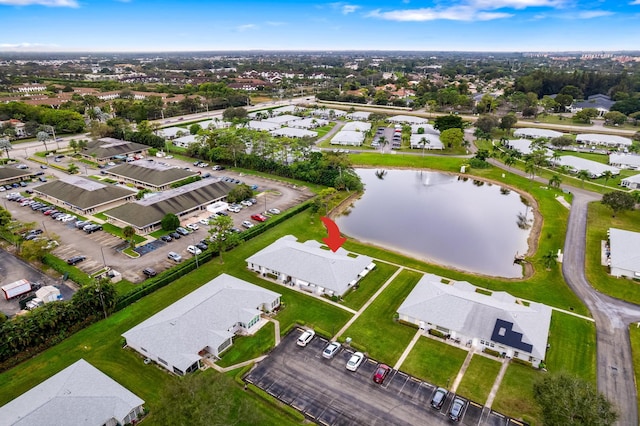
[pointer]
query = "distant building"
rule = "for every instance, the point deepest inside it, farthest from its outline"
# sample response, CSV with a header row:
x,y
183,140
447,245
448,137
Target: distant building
x,y
149,174
602,103
576,164
608,140
30,88
358,126
407,119
185,141
535,133
425,141
348,137
290,132
107,149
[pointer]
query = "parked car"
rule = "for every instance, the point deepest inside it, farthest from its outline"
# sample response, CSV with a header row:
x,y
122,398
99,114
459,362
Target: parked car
x,y
166,238
233,209
23,184
273,211
193,226
258,217
202,245
42,179
149,272
381,373
80,223
247,224
194,250
217,167
92,228
69,218
331,349
355,361
180,230
75,260
246,203
174,256
175,235
457,407
204,222
305,338
438,398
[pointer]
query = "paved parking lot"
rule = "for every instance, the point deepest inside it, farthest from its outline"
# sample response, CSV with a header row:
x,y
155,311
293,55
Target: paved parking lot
x,y
329,394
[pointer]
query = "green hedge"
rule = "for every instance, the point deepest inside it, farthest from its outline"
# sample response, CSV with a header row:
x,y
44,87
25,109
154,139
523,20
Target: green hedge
x,y
61,266
492,352
434,332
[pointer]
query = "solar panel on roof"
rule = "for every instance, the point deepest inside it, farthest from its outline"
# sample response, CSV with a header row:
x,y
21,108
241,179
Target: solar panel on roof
x,y
503,333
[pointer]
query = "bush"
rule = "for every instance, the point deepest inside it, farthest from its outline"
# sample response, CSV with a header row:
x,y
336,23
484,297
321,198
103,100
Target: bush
x,y
492,352
437,333
521,362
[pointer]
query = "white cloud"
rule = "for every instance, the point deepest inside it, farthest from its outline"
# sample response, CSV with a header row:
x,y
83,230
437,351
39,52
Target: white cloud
x,y
26,46
453,13
515,4
275,23
635,2
246,27
589,14
344,8
49,3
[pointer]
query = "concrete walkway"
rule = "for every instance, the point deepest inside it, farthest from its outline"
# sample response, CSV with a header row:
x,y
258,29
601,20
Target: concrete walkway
x,y
276,323
406,352
496,384
366,305
564,202
463,369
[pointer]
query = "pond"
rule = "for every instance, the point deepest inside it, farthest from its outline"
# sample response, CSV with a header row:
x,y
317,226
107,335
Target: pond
x,y
446,219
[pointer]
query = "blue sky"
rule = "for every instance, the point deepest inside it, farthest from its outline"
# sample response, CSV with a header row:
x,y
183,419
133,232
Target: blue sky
x,y
440,25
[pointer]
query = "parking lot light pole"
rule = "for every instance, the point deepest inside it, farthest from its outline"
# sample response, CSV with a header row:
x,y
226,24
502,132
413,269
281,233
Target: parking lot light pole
x,y
193,240
104,263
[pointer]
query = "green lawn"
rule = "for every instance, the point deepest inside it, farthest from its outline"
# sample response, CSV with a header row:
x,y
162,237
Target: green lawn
x,y
376,330
572,348
599,220
434,361
479,378
369,285
634,335
248,347
515,396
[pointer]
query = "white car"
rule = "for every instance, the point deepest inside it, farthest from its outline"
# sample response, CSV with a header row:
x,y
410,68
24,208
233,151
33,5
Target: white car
x,y
233,209
204,222
246,203
169,157
331,349
305,338
69,218
247,224
194,250
355,361
193,226
174,256
273,211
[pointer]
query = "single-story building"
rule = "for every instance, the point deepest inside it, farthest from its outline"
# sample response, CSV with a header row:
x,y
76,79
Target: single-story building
x,y
309,123
426,128
290,132
145,215
348,137
523,146
83,196
608,140
266,126
107,149
426,141
358,126
624,253
78,395
535,133
328,113
11,174
479,318
625,161
359,115
173,132
185,141
282,120
215,123
202,323
576,164
601,103
287,109
149,174
407,119
631,182
309,267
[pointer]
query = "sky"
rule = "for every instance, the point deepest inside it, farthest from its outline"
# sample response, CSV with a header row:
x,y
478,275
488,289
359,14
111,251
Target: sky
x,y
435,25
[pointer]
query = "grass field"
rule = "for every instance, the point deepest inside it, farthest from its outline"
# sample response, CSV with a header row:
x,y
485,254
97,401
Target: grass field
x,y
634,335
376,330
369,285
433,361
599,220
515,395
248,347
572,348
479,378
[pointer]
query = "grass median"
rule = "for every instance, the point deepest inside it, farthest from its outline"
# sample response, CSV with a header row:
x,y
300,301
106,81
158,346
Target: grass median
x,y
479,378
433,361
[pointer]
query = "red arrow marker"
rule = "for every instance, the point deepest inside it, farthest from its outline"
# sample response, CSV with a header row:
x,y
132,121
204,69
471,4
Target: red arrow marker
x,y
333,240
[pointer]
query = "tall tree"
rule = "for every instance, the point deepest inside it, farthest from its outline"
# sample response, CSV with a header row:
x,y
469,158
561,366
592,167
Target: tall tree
x,y
618,201
129,232
6,145
507,122
582,175
606,175
450,121
222,237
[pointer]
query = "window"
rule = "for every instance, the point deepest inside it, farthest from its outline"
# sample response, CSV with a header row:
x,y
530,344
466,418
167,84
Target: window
x,y
162,361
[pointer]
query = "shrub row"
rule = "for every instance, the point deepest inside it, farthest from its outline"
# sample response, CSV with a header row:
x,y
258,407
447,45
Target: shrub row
x,y
73,273
434,332
492,352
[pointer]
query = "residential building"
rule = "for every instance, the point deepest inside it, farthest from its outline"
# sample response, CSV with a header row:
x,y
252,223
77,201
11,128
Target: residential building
x,y
359,115
358,126
535,133
185,141
424,128
576,164
78,395
149,174
348,137
631,182
290,132
31,88
479,318
426,141
523,146
625,161
309,123
173,132
602,103
83,196
282,120
202,324
624,253
407,119
608,140
328,113
266,126
309,267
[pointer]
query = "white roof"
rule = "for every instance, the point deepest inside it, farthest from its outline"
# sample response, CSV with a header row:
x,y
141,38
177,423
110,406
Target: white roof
x,y
357,126
458,307
348,137
529,132
428,128
524,146
434,141
626,159
625,249
603,139
185,140
171,132
262,125
200,319
290,132
409,119
308,262
327,112
287,109
78,395
359,115
593,167
282,119
214,124
634,178
307,123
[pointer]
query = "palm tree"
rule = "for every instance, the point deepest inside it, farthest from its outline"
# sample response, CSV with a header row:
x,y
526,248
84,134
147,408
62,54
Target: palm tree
x,y
607,174
6,145
129,232
582,175
555,157
530,167
549,259
555,181
43,137
382,141
509,161
73,168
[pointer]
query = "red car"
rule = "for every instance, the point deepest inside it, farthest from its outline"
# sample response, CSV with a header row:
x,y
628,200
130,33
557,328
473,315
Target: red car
x,y
381,373
258,217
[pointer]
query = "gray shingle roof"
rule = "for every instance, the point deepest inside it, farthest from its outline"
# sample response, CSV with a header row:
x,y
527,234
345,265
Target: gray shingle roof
x,y
308,262
78,395
150,172
12,173
200,319
110,147
151,210
625,249
83,193
458,307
